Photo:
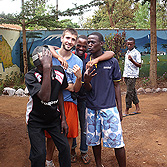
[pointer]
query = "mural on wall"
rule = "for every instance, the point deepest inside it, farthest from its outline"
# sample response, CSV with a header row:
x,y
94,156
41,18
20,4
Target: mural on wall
x,y
9,51
10,41
5,54
47,38
142,37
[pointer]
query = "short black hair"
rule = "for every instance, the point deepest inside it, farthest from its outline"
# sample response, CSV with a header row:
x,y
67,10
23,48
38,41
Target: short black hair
x,y
100,36
131,39
83,37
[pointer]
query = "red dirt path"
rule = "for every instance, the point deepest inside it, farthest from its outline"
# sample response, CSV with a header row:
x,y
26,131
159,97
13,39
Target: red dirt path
x,y
144,134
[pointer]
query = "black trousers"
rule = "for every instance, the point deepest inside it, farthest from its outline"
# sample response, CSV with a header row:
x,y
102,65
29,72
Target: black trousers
x,y
38,146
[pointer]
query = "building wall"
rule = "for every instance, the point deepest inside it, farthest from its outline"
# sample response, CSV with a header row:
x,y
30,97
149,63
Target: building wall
x,y
141,36
10,43
9,51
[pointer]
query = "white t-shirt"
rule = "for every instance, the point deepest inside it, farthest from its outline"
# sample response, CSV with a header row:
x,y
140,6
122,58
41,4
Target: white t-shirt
x,y
130,70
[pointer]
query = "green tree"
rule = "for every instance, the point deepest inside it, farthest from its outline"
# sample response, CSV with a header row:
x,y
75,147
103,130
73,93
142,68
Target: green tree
x,y
100,19
113,14
153,44
35,12
161,15
142,16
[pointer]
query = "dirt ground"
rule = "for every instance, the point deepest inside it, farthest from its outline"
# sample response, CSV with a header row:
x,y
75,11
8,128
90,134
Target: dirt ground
x,y
144,134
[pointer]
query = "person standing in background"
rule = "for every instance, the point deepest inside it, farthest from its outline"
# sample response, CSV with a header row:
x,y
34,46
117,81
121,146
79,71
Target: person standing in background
x,y
130,74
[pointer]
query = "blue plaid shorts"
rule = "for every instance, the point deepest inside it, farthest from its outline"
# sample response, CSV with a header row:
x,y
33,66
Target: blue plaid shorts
x,y
105,124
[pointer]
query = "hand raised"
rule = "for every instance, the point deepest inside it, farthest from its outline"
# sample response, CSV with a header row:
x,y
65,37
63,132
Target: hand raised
x,y
77,71
129,57
89,74
45,58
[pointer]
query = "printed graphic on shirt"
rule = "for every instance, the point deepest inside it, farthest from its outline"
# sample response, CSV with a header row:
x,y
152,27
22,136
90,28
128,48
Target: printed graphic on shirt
x,y
107,67
59,76
38,76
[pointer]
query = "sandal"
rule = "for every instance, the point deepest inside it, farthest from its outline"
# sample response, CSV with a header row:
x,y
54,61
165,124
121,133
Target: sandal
x,y
85,158
73,158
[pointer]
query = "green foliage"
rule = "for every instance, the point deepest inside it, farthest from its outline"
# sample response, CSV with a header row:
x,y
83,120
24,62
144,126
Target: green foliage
x,y
117,13
116,43
161,65
142,15
66,23
123,15
1,88
37,14
15,79
161,15
145,81
126,14
100,19
163,77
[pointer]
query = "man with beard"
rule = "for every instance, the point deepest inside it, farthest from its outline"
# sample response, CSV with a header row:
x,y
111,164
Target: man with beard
x,y
74,77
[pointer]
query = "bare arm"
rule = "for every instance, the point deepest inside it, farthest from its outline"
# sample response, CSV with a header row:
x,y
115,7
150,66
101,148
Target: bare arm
x,y
78,82
64,126
135,63
106,56
75,87
88,75
118,98
123,79
57,56
46,61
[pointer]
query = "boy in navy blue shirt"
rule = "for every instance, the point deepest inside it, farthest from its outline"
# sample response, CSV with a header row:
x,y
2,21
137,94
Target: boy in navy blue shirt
x,y
103,117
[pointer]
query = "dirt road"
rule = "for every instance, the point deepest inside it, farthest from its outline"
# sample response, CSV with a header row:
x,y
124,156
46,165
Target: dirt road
x,y
144,134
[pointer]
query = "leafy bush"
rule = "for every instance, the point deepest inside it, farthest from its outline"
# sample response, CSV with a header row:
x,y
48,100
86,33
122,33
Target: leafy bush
x,y
116,43
15,80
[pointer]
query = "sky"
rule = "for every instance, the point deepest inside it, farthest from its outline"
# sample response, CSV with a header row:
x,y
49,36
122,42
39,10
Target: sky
x,y
9,6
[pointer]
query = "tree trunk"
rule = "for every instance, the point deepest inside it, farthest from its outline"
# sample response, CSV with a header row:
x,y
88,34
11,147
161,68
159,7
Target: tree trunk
x,y
57,17
24,48
110,12
24,44
153,55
